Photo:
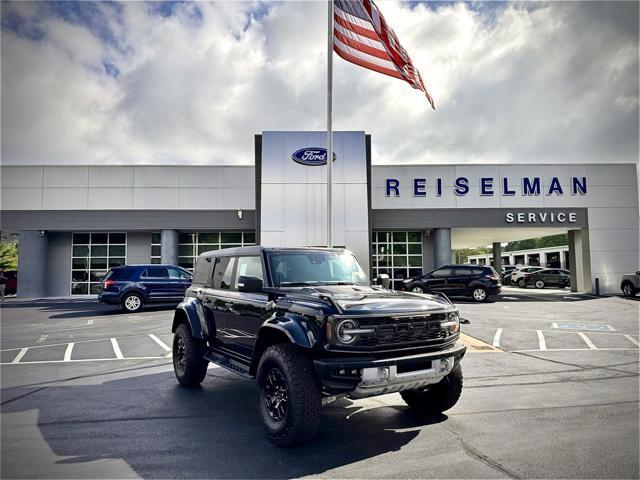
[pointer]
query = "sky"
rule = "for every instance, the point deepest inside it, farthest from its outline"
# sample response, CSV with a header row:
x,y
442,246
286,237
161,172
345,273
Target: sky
x,y
180,82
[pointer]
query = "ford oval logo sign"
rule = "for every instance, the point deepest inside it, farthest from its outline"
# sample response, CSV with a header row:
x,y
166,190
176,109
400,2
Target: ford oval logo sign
x,y
311,156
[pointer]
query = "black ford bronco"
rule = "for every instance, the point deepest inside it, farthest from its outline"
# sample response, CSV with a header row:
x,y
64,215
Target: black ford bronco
x,y
310,328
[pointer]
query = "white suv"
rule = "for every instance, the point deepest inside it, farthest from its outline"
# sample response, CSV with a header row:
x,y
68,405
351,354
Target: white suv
x,y
518,277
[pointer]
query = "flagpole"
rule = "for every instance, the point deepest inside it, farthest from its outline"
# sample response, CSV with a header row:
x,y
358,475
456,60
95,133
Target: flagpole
x,y
330,127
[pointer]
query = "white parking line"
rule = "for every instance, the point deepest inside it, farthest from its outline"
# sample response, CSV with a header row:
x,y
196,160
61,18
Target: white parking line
x,y
587,340
554,324
67,352
617,349
632,340
42,362
541,342
21,354
163,345
42,338
496,338
116,348
90,321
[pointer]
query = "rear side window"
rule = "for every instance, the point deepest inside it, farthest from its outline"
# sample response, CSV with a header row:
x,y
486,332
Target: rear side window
x,y
463,271
121,274
202,272
222,273
155,272
477,271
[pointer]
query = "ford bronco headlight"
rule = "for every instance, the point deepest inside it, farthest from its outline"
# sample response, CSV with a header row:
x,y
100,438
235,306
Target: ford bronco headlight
x,y
452,322
347,331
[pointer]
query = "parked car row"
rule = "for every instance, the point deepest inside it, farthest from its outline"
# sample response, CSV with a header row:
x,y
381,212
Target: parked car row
x,y
133,286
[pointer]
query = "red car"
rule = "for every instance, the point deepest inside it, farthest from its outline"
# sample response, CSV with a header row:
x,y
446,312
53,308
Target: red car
x,y
11,287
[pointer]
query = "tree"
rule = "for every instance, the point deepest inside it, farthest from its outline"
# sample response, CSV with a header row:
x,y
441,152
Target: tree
x,y
538,242
462,255
8,256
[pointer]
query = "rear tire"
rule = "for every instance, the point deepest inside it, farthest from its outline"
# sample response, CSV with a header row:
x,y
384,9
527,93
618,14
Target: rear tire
x,y
437,398
132,302
189,364
288,395
539,284
479,294
628,290
522,283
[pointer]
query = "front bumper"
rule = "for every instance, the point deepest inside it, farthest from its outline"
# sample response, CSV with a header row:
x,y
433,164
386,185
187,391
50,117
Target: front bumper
x,y
365,376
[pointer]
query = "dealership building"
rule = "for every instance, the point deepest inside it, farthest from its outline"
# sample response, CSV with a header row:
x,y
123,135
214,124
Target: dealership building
x,y
74,222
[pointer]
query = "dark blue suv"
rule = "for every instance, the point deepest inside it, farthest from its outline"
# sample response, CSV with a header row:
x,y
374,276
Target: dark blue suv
x,y
132,286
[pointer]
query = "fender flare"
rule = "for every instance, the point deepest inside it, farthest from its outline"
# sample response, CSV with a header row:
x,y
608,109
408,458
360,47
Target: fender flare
x,y
296,329
190,311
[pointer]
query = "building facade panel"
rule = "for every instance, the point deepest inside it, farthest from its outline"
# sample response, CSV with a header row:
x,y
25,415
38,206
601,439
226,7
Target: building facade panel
x,y
22,177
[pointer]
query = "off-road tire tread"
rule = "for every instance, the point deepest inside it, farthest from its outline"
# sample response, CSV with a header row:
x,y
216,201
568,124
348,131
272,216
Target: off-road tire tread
x,y
439,397
303,414
196,368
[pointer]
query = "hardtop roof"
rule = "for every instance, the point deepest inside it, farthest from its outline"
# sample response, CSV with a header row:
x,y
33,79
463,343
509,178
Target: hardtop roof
x,y
258,249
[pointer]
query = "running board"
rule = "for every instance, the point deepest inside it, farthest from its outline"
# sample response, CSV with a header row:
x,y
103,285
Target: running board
x,y
227,362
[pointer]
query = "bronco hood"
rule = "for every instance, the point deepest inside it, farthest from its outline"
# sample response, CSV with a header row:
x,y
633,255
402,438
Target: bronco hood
x,y
363,300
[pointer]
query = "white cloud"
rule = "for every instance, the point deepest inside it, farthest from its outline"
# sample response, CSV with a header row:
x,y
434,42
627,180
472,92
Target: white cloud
x,y
553,82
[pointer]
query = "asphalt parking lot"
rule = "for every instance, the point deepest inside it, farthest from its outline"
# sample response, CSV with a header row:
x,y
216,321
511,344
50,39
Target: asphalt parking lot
x,y
551,391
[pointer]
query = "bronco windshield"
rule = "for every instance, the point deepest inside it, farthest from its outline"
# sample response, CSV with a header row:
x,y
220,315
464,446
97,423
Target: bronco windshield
x,y
300,268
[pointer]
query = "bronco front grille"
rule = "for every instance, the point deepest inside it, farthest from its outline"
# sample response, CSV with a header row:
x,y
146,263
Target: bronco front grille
x,y
402,330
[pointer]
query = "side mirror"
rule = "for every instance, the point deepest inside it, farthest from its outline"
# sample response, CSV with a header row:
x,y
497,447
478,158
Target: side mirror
x,y
383,280
250,284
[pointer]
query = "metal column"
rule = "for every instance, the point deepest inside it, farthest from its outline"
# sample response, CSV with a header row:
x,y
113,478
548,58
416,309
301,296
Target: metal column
x,y
169,247
32,264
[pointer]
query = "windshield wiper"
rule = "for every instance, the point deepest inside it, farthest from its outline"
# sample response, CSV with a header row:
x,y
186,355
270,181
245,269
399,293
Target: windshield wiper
x,y
339,283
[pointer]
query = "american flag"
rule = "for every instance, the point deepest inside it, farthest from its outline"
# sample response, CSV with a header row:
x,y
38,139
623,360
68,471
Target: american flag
x,y
362,36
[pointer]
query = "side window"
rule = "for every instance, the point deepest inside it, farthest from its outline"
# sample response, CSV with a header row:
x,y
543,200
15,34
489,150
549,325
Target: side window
x,y
202,272
477,271
155,272
222,273
463,271
249,267
178,274
442,272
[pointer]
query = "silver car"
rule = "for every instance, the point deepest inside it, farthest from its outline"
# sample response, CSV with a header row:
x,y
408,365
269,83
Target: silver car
x,y
630,284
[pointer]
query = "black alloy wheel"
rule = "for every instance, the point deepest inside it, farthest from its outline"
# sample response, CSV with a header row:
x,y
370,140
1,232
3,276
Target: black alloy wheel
x,y
275,394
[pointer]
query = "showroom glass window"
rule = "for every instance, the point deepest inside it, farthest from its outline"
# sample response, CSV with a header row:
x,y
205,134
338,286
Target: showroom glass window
x,y
192,244
398,254
92,255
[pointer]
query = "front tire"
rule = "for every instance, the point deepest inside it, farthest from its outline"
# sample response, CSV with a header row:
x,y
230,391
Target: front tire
x,y
132,302
539,284
628,290
288,395
479,294
189,364
417,289
436,398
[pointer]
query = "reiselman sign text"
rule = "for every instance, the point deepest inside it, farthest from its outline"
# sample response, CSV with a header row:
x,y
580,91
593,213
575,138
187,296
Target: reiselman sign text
x,y
490,186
